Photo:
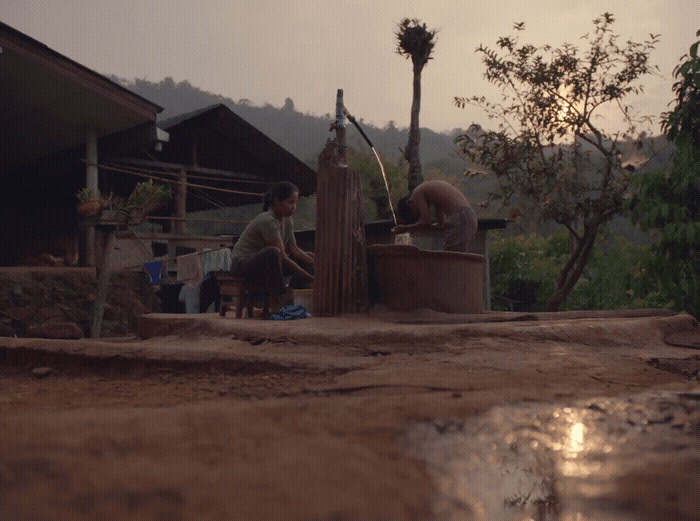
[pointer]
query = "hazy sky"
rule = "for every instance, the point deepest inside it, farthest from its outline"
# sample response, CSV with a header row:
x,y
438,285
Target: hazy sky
x,y
268,50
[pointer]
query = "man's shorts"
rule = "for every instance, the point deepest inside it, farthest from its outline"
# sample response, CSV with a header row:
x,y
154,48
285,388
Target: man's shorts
x,y
460,229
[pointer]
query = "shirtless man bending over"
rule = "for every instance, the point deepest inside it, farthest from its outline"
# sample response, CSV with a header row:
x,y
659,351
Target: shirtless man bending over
x,y
454,214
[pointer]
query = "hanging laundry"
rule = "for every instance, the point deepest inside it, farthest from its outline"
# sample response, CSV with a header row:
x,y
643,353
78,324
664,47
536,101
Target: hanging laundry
x,y
216,260
189,267
154,270
189,295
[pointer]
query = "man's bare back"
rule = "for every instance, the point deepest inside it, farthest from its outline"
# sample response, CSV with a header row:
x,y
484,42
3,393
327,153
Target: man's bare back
x,y
440,194
452,210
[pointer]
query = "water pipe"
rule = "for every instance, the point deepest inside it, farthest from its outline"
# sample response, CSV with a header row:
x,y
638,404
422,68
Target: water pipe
x,y
381,166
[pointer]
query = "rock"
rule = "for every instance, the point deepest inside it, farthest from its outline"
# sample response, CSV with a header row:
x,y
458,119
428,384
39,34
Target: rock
x,y
41,372
689,339
19,313
51,312
38,296
69,330
7,330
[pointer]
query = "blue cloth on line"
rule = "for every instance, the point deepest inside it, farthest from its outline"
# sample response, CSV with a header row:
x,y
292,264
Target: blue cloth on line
x,y
153,270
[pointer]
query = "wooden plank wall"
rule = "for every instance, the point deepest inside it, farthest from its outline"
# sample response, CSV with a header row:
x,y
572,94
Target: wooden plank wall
x,y
340,282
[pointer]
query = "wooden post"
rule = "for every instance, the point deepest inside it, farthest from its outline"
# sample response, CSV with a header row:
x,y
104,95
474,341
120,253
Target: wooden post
x,y
340,282
180,226
91,161
87,246
103,268
340,129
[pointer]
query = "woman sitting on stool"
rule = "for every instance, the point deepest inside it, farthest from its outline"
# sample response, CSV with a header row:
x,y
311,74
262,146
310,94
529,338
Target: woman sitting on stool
x,y
266,251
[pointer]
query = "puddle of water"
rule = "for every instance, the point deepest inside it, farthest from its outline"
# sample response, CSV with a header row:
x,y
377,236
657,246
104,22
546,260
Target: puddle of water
x,y
564,463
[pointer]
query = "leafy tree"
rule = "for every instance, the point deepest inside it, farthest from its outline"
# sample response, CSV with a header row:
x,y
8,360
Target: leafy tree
x,y
551,158
669,202
683,122
373,189
617,276
416,42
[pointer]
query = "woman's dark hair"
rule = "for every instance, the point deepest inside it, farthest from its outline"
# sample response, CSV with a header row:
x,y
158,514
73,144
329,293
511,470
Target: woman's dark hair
x,y
404,212
282,190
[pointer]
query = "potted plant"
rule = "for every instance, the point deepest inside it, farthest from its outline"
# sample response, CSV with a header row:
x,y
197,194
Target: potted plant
x,y
113,209
146,197
89,202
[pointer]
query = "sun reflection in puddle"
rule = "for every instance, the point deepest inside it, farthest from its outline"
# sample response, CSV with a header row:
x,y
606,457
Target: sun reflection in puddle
x,y
545,463
574,446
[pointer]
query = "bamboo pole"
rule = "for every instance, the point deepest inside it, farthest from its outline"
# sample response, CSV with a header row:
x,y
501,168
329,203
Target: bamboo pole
x,y
347,254
340,128
336,240
180,225
340,203
104,267
91,182
341,265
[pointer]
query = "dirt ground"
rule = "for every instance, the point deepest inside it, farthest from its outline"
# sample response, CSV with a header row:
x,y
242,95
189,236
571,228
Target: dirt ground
x,y
201,417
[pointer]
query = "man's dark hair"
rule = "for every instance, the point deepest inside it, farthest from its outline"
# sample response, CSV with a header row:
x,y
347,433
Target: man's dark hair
x,y
404,212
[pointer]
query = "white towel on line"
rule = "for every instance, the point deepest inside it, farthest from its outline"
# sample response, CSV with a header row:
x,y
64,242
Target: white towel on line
x,y
216,260
189,267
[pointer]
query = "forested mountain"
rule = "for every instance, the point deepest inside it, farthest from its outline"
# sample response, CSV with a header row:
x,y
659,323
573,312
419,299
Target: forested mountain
x,y
304,135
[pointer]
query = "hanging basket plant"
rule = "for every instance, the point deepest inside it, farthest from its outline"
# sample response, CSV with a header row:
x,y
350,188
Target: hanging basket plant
x,y
89,204
147,197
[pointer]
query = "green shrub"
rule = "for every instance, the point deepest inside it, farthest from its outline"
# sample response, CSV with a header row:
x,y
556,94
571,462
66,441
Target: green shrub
x,y
524,270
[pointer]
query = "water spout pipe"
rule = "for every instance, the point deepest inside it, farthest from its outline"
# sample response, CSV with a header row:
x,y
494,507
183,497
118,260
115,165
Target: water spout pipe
x,y
376,154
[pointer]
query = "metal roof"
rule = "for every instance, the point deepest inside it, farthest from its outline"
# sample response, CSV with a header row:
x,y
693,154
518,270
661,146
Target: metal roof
x,y
48,102
217,139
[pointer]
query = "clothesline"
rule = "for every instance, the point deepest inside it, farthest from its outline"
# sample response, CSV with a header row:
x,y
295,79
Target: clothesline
x,y
205,251
193,269
199,253
192,172
205,177
138,172
189,219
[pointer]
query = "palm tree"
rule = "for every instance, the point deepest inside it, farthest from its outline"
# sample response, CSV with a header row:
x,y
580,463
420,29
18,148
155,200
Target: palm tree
x,y
415,42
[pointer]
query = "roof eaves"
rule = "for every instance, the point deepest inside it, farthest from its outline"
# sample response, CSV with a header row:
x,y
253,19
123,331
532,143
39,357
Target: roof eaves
x,y
21,42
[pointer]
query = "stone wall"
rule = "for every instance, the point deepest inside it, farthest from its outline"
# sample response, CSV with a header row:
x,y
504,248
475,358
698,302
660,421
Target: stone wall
x,y
57,303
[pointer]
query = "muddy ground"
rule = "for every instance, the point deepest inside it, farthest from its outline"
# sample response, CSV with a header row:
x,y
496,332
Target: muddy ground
x,y
341,418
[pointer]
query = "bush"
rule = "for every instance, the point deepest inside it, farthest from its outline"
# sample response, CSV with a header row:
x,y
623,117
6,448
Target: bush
x,y
524,271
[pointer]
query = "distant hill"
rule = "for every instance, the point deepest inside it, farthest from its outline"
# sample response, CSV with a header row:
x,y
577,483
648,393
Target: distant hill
x,y
304,135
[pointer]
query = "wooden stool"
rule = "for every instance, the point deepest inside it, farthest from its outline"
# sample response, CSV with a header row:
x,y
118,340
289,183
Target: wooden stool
x,y
243,291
